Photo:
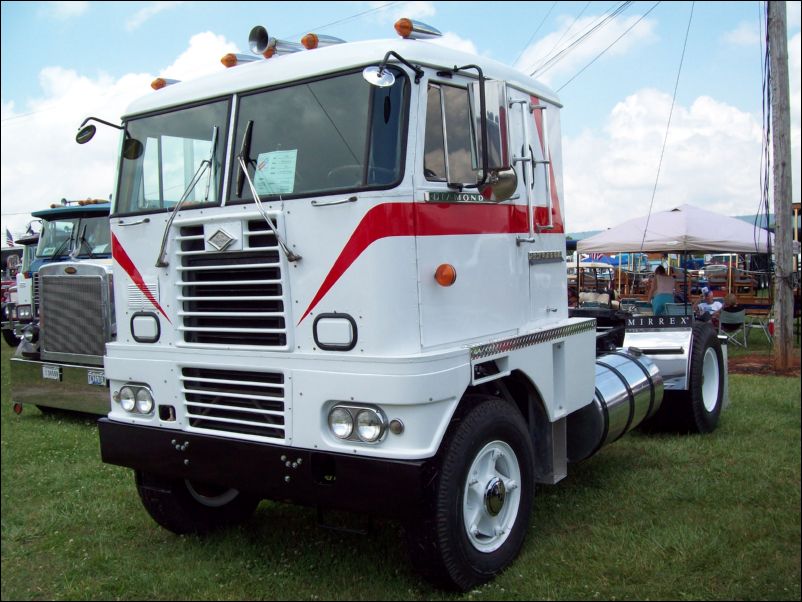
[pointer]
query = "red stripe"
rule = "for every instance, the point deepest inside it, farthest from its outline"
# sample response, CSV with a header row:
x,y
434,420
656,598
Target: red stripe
x,y
122,258
426,219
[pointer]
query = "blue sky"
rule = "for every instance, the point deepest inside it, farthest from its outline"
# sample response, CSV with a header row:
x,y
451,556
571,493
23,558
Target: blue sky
x,y
62,61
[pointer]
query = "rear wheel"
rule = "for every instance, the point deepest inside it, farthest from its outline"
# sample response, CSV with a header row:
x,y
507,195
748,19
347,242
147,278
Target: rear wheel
x,y
481,501
184,506
698,409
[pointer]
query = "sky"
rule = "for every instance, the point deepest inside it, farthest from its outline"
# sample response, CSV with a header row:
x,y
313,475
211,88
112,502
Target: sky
x,y
64,61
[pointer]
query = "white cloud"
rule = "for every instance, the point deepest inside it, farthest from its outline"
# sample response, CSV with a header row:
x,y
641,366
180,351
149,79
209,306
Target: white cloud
x,y
746,34
712,160
64,10
143,15
455,42
538,54
412,10
40,162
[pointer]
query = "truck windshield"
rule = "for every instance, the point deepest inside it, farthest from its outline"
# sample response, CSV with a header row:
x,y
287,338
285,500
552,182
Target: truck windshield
x,y
94,237
175,144
321,136
55,237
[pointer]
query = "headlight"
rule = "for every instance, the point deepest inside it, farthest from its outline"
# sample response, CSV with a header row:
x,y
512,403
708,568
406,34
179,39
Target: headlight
x,y
357,423
369,425
341,423
127,399
144,401
23,312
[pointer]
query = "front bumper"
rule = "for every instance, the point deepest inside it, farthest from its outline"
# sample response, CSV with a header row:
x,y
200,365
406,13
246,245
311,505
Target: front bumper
x,y
61,386
392,488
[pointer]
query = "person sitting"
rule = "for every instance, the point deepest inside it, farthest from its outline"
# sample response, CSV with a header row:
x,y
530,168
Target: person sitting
x,y
708,308
661,290
731,304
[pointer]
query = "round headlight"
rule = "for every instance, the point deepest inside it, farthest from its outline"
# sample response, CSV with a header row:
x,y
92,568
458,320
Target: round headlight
x,y
127,399
144,401
369,425
341,423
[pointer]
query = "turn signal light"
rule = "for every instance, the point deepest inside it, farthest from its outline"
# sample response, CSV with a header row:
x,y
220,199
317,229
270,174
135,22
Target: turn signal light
x,y
446,274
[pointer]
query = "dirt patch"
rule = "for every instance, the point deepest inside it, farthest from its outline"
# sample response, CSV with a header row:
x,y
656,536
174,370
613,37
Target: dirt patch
x,y
761,364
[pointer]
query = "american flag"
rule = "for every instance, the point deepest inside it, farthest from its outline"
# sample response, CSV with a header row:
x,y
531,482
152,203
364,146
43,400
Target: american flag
x,y
9,238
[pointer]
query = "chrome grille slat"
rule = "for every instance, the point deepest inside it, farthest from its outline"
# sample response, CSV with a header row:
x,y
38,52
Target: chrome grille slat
x,y
214,406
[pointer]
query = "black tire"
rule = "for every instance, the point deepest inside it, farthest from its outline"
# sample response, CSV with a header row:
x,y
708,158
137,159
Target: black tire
x,y
10,338
444,548
184,507
697,410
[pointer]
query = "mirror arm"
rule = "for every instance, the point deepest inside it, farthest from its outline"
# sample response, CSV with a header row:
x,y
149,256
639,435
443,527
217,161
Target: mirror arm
x,y
483,119
418,71
119,127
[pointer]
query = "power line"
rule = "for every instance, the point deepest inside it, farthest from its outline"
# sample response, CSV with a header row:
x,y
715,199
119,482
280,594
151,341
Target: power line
x,y
532,37
576,42
566,32
598,56
668,126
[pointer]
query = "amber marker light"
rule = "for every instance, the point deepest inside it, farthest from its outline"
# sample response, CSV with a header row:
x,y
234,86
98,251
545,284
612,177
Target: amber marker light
x,y
403,27
446,274
310,41
229,60
158,83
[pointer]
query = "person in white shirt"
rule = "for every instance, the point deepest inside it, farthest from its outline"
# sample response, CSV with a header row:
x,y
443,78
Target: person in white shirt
x,y
708,308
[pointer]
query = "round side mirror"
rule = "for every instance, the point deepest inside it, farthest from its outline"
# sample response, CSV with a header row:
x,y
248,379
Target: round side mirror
x,y
85,134
132,148
500,186
376,76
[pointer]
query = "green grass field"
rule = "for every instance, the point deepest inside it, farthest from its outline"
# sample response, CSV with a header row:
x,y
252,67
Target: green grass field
x,y
650,517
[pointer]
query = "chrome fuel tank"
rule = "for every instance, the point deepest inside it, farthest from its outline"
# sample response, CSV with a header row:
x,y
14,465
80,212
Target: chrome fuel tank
x,y
629,389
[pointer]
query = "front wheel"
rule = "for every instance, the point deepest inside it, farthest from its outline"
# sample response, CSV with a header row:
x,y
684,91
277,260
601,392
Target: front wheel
x,y
481,501
12,339
184,506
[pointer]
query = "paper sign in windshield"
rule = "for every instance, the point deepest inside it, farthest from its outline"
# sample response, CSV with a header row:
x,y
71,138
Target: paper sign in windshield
x,y
275,172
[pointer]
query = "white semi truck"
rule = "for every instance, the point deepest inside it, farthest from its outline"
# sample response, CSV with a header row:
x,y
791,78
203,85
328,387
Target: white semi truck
x,y
339,280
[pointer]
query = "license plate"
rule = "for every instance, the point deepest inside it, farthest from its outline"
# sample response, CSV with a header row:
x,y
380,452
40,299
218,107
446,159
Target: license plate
x,y
96,378
51,372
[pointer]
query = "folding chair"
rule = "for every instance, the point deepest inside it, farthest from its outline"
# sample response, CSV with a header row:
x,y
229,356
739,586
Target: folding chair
x,y
761,322
677,309
731,324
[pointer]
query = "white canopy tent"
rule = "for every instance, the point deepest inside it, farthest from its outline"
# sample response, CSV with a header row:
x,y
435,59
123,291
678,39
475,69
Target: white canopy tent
x,y
682,229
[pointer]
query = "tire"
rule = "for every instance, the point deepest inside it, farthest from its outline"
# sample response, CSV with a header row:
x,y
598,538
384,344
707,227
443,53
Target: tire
x,y
481,500
697,410
10,338
184,507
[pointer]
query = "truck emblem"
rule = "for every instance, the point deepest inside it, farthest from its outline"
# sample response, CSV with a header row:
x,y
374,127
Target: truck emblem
x,y
221,240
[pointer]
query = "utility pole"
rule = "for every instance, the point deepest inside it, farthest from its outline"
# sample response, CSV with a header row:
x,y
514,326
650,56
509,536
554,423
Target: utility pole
x,y
781,136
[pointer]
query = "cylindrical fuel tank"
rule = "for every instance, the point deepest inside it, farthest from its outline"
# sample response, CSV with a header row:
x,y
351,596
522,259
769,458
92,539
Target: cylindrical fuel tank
x,y
629,389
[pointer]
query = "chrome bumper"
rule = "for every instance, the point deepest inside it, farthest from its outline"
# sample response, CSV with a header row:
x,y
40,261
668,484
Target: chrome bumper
x,y
61,386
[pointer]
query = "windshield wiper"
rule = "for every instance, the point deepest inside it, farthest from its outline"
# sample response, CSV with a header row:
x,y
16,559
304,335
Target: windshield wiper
x,y
81,240
161,261
290,255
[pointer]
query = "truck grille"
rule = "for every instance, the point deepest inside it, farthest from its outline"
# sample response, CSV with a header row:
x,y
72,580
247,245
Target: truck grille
x,y
232,297
74,318
232,401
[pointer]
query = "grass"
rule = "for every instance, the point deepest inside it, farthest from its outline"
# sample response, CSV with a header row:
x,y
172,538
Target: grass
x,y
656,517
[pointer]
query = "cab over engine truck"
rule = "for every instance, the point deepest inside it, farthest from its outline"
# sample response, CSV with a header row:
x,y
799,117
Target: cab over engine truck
x,y
359,303
68,316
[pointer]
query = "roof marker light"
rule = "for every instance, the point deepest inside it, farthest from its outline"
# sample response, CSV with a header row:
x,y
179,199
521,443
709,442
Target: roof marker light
x,y
161,82
232,60
416,30
312,40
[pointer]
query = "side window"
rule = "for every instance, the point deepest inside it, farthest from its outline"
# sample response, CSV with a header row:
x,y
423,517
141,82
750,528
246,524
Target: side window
x,y
448,146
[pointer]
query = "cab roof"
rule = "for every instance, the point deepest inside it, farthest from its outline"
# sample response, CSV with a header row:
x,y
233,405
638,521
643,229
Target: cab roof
x,y
330,59
72,211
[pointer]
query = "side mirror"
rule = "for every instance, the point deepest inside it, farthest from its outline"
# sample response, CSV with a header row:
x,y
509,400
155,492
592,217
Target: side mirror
x,y
85,134
500,181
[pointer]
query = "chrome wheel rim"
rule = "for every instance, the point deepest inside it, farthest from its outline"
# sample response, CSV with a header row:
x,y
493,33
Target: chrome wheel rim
x,y
492,496
710,379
